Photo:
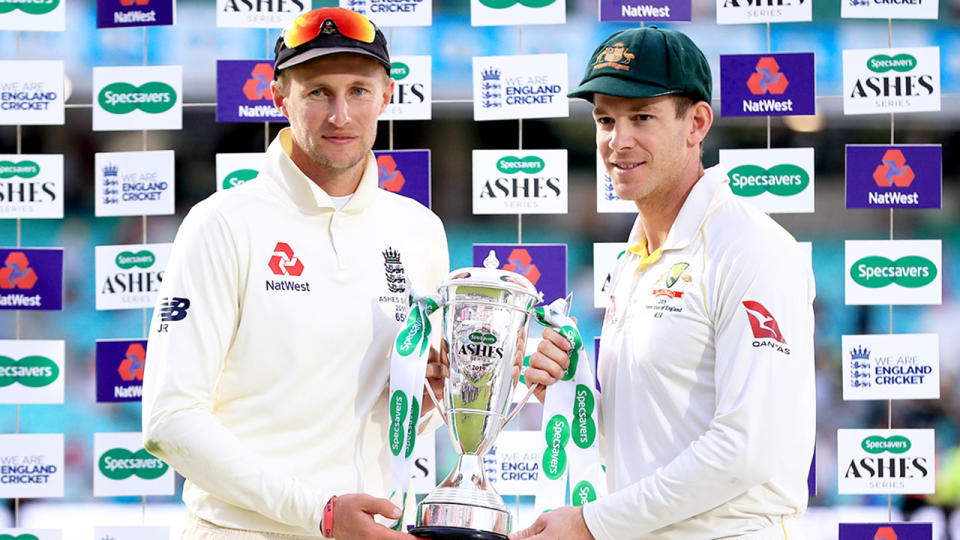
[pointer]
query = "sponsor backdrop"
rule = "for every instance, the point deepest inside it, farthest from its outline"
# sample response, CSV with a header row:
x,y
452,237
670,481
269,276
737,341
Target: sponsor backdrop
x,y
509,181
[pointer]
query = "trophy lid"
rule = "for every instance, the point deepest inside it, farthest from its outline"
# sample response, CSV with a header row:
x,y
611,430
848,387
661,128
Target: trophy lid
x,y
490,277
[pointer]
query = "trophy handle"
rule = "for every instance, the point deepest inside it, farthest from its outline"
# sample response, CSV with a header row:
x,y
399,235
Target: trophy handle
x,y
520,405
436,402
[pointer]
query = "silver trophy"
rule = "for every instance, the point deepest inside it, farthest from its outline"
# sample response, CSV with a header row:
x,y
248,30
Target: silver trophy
x,y
485,314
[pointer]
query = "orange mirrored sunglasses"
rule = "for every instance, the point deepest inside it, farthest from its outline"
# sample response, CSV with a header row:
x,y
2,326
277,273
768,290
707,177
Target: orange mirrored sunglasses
x,y
307,26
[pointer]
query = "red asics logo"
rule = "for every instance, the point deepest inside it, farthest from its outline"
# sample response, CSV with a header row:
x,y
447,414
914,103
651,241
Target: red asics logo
x,y
522,263
16,272
893,171
768,78
762,322
284,262
131,368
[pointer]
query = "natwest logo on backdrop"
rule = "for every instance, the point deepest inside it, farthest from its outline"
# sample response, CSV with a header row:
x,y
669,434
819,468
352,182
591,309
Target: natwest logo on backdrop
x,y
779,84
129,276
545,265
31,186
134,183
243,92
30,15
645,10
259,13
31,91
520,182
237,169
31,465
886,531
31,278
891,80
889,9
773,179
901,176
405,172
31,371
520,86
903,272
760,11
512,12
124,13
412,92
393,12
119,369
891,366
885,461
136,98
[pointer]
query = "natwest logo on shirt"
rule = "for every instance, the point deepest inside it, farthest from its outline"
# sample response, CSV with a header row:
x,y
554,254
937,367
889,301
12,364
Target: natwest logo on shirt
x,y
283,262
764,327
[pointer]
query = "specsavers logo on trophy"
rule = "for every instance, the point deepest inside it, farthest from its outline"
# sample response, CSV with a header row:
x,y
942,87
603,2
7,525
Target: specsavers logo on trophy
x,y
123,467
885,461
903,272
412,91
31,465
136,98
31,371
31,91
393,12
521,86
128,276
520,182
237,169
891,80
30,15
259,13
134,183
512,12
31,186
891,366
777,180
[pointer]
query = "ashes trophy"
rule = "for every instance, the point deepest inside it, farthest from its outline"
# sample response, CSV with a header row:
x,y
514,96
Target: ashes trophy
x,y
485,314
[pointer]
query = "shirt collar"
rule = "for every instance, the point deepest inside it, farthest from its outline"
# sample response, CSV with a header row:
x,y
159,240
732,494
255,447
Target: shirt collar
x,y
687,224
306,194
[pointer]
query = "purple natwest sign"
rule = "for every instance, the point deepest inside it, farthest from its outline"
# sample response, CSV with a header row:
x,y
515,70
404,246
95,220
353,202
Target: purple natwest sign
x,y
405,172
120,364
886,531
644,10
31,278
545,265
767,84
243,92
894,176
124,13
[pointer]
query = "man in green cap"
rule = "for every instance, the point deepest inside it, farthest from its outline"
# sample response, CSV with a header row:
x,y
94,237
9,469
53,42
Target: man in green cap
x,y
707,412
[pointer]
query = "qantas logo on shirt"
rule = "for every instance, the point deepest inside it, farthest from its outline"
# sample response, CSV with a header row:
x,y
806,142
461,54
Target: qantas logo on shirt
x,y
765,327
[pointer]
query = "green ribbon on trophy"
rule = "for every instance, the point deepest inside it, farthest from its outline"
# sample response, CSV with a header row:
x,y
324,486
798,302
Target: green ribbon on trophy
x,y
408,366
569,423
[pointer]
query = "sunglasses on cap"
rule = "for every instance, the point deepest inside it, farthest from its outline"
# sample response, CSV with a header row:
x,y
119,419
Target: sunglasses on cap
x,y
309,25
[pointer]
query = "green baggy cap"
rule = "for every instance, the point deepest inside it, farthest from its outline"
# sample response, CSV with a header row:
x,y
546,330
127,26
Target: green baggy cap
x,y
646,62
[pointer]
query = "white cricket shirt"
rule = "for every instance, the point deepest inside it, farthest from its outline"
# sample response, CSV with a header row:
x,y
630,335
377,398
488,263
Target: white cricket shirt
x,y
267,365
707,374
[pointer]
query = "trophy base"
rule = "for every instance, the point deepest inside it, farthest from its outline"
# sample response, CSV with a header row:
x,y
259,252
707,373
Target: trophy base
x,y
455,533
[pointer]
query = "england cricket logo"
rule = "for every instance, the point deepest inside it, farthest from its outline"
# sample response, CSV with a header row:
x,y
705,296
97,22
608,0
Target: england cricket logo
x,y
393,271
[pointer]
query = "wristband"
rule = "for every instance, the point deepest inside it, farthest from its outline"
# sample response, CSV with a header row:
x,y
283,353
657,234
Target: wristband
x,y
327,523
